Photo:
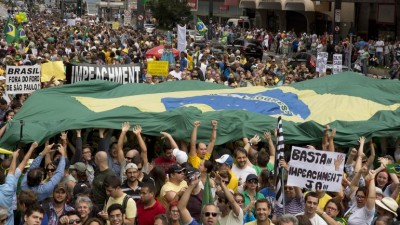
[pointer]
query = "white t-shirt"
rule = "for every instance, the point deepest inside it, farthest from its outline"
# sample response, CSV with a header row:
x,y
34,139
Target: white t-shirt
x,y
379,46
243,173
232,219
359,216
176,74
316,220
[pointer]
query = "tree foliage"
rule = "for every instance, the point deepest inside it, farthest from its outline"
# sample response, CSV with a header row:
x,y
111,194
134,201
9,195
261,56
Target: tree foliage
x,y
169,13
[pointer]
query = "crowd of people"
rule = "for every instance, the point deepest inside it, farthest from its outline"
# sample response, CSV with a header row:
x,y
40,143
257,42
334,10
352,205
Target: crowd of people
x,y
104,176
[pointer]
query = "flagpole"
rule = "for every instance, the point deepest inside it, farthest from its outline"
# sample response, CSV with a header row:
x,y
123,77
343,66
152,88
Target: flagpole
x,y
283,191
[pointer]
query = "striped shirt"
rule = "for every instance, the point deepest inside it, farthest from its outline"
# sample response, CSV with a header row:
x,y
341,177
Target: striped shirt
x,y
293,206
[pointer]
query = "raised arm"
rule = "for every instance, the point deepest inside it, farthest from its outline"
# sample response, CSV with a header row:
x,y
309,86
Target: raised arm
x,y
78,148
360,154
371,191
64,139
271,146
233,204
331,142
371,157
247,144
213,137
27,156
120,146
193,138
13,164
325,142
137,130
356,180
185,214
170,139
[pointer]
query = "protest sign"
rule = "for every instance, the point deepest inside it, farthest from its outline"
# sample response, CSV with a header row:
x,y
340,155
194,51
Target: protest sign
x,y
22,79
159,68
122,74
322,59
315,169
50,69
337,63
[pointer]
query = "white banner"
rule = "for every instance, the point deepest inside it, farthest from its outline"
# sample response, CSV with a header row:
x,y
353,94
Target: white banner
x,y
316,169
22,79
337,63
182,39
322,59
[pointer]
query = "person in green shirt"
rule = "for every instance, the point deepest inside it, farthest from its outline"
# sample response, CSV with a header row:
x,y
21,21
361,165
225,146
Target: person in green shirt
x,y
251,193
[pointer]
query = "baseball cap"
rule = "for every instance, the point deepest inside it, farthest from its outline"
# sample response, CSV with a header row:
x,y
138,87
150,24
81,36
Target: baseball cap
x,y
175,168
79,166
251,177
60,186
131,166
225,159
191,171
81,188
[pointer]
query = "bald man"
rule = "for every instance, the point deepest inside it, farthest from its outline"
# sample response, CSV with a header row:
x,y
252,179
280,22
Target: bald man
x,y
102,172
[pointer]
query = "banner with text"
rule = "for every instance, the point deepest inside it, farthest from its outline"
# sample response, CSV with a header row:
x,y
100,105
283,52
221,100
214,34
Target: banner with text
x,y
322,59
315,169
122,74
22,79
159,68
337,63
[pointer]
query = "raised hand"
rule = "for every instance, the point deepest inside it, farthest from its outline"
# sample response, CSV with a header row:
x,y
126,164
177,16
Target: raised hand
x,y
353,152
267,135
137,129
63,135
196,123
361,140
338,161
164,135
254,140
125,126
214,123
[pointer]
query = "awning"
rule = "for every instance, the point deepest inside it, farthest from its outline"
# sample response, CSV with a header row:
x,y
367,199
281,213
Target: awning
x,y
299,5
250,4
270,4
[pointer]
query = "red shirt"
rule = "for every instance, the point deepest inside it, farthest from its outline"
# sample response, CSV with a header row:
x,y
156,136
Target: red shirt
x,y
166,163
146,216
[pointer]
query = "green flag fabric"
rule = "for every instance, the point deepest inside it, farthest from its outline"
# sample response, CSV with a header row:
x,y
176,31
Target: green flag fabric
x,y
393,168
353,104
207,193
9,31
201,27
20,34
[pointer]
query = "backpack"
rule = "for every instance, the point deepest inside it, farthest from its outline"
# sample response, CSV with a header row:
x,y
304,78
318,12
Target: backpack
x,y
124,202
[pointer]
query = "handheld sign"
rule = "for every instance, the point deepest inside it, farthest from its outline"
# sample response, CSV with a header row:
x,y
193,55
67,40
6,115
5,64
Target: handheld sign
x,y
322,59
316,169
337,63
22,79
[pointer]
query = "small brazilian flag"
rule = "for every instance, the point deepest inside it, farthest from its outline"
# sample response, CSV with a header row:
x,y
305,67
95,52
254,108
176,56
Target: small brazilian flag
x,y
20,34
201,27
393,168
9,31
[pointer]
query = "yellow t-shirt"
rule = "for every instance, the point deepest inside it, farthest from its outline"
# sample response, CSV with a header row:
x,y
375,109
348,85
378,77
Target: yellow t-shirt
x,y
130,211
170,187
254,222
195,160
233,184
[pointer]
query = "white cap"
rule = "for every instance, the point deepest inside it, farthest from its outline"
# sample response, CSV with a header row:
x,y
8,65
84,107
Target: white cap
x,y
181,156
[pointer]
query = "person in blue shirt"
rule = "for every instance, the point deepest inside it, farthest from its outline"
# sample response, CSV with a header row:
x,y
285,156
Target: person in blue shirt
x,y
183,61
34,176
9,188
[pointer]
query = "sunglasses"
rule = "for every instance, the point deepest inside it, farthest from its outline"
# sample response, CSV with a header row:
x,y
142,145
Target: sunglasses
x,y
180,172
208,214
128,158
253,181
50,170
225,181
74,221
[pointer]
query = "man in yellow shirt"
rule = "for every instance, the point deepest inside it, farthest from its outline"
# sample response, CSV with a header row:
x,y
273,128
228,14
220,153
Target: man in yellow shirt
x,y
200,152
225,163
175,187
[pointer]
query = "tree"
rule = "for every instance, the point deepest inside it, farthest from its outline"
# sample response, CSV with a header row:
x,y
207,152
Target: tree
x,y
169,13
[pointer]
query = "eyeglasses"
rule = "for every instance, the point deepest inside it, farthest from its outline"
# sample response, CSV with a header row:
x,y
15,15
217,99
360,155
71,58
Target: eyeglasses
x,y
208,214
331,208
74,221
239,201
360,197
252,181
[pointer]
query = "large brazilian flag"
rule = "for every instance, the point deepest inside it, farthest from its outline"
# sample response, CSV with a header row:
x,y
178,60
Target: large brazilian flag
x,y
353,104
